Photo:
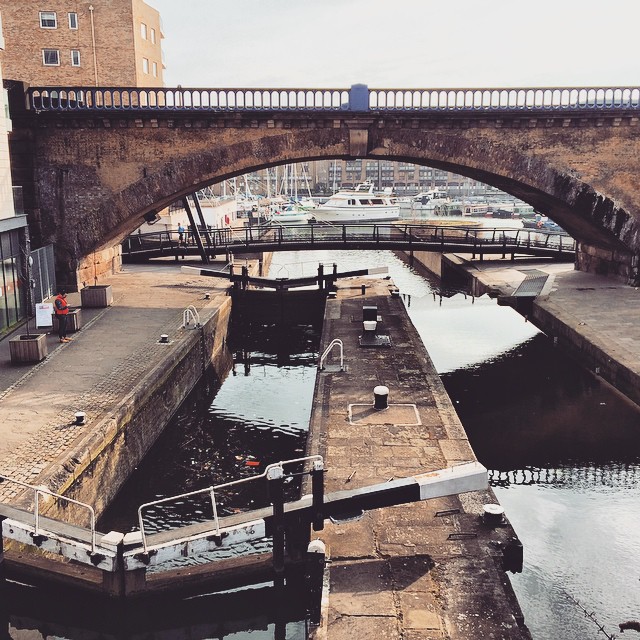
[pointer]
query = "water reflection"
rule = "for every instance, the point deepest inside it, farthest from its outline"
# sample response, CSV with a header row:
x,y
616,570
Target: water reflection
x,y
562,447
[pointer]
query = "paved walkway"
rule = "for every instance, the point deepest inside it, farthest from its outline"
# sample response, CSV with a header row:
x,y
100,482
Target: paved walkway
x,y
95,371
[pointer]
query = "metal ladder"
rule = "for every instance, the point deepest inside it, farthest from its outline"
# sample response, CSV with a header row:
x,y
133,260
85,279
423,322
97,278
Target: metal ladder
x,y
335,342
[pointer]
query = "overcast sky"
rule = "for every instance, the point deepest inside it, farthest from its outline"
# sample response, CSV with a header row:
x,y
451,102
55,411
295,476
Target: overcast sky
x,y
400,43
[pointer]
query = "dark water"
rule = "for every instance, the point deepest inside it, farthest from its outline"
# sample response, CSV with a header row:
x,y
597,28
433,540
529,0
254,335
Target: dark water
x,y
561,446
227,430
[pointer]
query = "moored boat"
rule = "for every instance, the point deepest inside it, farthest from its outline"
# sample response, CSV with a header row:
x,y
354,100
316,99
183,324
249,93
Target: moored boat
x,y
289,214
361,204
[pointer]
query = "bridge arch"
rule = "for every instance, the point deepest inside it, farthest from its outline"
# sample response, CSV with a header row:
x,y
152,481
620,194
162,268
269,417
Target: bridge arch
x,y
96,175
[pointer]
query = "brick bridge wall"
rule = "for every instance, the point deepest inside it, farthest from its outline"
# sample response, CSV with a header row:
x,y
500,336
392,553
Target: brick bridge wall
x,y
94,176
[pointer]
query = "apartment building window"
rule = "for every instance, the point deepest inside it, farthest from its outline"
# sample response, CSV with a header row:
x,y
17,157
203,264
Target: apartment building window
x,y
154,67
143,30
153,36
75,58
48,20
145,65
73,21
51,57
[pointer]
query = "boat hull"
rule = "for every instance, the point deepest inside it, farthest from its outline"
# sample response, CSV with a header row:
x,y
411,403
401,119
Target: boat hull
x,y
344,215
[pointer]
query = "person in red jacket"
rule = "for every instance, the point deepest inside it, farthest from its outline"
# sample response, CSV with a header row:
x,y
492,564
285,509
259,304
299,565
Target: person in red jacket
x,y
62,311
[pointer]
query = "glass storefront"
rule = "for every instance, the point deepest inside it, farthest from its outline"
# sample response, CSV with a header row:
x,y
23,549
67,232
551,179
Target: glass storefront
x,y
12,293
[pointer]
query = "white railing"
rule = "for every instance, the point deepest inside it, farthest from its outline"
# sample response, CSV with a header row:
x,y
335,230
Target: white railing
x,y
39,491
190,314
211,491
358,98
336,342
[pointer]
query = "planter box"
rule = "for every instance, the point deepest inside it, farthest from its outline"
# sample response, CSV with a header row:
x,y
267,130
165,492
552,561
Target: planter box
x,y
74,321
28,348
97,296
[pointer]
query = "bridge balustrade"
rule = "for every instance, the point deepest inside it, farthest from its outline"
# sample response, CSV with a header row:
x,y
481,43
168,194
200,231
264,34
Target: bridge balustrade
x,y
357,98
384,236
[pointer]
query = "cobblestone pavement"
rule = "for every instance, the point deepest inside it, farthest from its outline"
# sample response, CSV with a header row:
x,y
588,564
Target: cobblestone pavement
x,y
112,350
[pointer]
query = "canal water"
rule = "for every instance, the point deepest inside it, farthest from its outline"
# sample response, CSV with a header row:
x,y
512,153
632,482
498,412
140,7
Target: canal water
x,y
561,447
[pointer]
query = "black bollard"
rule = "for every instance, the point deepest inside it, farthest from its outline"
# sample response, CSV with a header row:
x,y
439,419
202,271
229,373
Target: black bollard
x,y
380,397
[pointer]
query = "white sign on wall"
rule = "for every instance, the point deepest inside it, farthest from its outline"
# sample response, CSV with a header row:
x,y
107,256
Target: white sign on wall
x,y
43,315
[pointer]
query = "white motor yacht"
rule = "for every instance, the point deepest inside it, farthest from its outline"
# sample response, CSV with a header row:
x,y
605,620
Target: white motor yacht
x,y
361,204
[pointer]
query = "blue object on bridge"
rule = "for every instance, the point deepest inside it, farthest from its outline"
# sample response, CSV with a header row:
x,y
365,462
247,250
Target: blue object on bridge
x,y
359,97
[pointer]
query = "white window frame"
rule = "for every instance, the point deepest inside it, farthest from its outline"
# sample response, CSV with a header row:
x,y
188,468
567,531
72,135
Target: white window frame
x,y
145,65
48,13
75,58
143,30
153,35
51,64
73,20
154,69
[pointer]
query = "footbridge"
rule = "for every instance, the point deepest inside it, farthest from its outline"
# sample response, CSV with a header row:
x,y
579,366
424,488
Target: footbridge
x,y
94,162
404,237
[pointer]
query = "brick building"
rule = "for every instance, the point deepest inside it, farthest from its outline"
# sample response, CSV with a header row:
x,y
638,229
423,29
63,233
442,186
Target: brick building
x,y
82,42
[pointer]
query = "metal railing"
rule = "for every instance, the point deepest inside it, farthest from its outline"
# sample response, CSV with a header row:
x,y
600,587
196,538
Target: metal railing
x,y
191,314
211,492
388,236
358,98
336,342
39,491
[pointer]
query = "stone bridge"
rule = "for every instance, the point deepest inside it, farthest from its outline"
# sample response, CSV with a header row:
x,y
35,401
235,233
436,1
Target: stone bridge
x,y
94,161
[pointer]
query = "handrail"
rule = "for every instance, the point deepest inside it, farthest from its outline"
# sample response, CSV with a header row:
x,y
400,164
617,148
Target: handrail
x,y
190,313
357,98
402,236
335,342
211,491
38,491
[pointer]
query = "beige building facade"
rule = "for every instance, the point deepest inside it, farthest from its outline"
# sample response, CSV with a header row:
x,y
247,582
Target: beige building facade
x,y
82,43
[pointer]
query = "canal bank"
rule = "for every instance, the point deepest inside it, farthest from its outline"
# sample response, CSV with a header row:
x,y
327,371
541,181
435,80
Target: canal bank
x,y
591,317
434,569
127,369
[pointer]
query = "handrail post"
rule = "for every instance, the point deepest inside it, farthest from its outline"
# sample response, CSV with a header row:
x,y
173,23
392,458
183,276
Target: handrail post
x,y
36,511
275,478
215,511
317,495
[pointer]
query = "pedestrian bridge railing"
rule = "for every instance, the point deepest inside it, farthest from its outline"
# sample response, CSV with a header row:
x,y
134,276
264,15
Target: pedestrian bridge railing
x,y
357,98
407,237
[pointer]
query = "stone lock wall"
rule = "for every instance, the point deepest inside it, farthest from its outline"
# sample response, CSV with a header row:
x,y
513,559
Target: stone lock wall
x,y
110,453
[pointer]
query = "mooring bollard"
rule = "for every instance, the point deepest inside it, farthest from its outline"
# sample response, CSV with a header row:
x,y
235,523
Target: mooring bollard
x,y
380,397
